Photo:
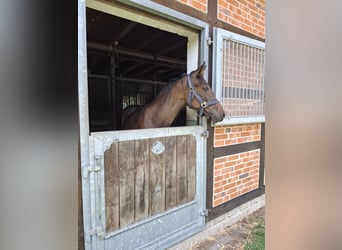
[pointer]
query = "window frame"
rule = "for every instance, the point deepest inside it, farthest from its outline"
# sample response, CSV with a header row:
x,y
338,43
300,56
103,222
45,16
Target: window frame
x,y
219,36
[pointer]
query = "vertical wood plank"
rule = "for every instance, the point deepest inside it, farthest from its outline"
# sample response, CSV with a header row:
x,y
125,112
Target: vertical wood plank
x,y
170,172
191,167
182,180
112,174
141,179
126,164
157,178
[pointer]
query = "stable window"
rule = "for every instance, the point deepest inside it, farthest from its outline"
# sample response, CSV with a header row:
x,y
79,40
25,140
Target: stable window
x,y
239,70
129,63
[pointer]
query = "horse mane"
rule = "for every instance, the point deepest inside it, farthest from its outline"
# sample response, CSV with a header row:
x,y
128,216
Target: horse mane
x,y
170,85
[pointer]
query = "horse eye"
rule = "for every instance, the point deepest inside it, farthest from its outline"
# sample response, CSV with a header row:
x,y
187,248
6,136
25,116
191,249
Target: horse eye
x,y
205,88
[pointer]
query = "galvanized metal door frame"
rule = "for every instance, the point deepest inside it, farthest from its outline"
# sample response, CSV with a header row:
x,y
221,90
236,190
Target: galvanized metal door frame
x,y
84,121
177,223
91,238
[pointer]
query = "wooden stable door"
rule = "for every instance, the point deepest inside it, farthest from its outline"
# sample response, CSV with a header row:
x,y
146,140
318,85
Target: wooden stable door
x,y
148,188
148,176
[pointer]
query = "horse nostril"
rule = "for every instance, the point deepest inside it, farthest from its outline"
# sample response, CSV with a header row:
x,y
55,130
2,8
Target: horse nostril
x,y
224,114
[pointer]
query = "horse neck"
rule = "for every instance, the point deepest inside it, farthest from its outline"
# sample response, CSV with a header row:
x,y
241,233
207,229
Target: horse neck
x,y
168,104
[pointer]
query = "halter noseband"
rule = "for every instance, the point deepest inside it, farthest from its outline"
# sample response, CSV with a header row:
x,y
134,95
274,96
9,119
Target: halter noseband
x,y
192,94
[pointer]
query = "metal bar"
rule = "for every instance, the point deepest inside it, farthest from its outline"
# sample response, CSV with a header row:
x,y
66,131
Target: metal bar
x,y
126,79
112,93
229,79
135,53
244,81
253,87
137,65
224,72
258,83
250,66
235,71
100,196
240,78
241,120
99,46
152,62
257,79
98,76
263,83
151,68
83,117
124,32
165,12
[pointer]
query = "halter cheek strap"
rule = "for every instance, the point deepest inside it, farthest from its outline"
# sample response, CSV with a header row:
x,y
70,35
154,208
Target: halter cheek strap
x,y
193,94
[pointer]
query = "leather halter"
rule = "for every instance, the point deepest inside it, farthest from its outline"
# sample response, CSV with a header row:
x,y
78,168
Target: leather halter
x,y
193,94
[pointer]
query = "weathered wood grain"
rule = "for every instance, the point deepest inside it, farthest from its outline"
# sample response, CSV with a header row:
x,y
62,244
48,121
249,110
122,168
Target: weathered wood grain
x,y
170,173
111,169
182,185
126,164
157,179
191,158
141,179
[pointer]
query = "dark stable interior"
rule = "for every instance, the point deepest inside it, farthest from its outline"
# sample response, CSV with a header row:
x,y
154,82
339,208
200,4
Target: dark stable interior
x,y
128,64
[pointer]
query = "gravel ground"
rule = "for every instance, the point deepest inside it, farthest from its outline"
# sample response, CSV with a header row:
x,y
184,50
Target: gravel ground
x,y
233,237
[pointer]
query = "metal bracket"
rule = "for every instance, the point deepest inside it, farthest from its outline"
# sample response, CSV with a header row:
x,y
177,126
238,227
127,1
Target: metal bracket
x,y
204,213
96,231
205,134
94,169
209,41
86,170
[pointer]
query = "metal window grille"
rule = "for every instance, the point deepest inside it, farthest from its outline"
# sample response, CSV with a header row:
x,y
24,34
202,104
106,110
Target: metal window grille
x,y
99,102
240,71
99,89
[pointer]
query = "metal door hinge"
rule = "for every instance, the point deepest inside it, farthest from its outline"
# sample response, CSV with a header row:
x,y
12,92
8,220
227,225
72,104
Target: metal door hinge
x,y
95,231
209,41
205,213
96,168
205,134
86,170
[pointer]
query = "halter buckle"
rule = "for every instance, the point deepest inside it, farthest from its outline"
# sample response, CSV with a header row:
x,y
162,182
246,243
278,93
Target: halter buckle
x,y
204,104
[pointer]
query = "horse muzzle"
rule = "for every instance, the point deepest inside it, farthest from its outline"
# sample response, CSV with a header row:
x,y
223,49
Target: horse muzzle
x,y
215,112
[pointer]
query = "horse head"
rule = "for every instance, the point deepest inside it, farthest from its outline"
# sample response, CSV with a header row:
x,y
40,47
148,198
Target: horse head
x,y
201,97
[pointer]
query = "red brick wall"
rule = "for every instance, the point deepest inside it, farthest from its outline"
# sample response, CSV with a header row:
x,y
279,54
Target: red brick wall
x,y
235,175
200,5
248,15
229,135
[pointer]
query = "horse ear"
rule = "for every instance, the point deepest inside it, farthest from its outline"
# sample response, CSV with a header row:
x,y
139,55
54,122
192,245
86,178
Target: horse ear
x,y
200,70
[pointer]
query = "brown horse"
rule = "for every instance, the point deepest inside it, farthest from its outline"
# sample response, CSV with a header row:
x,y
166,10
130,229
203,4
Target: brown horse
x,y
191,90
